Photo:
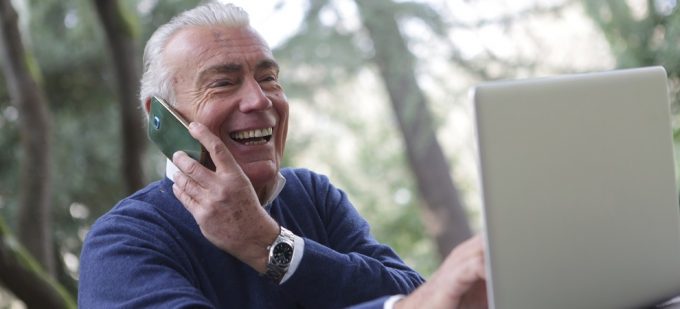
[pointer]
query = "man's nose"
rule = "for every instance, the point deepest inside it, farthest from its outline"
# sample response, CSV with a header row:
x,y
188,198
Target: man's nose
x,y
253,99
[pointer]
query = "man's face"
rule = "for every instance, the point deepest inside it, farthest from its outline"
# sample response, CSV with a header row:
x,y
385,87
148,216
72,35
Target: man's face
x,y
227,79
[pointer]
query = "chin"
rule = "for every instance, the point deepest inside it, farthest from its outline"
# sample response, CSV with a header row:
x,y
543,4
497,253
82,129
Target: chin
x,y
261,174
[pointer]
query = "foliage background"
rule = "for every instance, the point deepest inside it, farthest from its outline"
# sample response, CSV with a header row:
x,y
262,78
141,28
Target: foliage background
x,y
341,122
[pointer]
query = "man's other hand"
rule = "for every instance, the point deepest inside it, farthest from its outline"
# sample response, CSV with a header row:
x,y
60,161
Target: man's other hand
x,y
458,283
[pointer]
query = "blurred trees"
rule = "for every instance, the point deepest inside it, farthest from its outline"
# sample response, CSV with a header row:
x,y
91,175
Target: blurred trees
x,y
24,87
89,54
122,35
446,217
642,37
23,275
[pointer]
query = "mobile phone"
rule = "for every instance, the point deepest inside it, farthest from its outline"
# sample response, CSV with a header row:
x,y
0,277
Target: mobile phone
x,y
170,132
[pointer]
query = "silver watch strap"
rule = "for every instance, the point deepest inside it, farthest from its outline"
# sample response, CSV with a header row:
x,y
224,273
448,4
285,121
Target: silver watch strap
x,y
276,271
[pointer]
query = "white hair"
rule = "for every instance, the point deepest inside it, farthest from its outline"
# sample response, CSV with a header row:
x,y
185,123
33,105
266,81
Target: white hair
x,y
156,79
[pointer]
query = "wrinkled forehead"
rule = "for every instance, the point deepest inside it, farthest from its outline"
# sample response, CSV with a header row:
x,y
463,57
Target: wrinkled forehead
x,y
202,43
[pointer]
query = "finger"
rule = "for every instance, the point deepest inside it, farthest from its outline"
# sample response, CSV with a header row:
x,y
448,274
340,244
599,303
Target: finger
x,y
189,203
219,153
474,243
452,282
471,244
474,270
191,168
461,280
467,249
188,185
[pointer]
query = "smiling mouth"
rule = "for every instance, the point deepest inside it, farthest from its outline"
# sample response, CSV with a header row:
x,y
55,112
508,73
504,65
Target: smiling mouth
x,y
252,137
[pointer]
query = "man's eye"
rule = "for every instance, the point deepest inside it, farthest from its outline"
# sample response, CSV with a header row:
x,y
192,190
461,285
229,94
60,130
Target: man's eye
x,y
220,83
269,78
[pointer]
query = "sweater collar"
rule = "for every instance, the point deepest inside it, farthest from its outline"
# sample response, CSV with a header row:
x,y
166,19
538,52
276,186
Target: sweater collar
x,y
171,169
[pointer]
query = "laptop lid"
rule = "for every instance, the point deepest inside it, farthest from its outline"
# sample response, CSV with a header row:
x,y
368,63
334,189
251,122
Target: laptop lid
x,y
580,202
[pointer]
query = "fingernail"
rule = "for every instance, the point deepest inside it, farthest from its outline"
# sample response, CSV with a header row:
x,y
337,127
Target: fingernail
x,y
175,155
193,125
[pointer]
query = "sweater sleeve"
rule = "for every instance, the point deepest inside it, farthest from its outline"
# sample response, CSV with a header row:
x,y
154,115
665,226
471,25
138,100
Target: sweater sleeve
x,y
378,303
347,266
124,251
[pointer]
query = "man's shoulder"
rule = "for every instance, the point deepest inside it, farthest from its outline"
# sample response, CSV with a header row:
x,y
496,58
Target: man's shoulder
x,y
148,204
155,190
303,178
295,172
155,193
306,187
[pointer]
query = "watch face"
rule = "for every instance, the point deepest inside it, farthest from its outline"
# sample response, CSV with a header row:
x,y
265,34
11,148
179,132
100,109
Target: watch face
x,y
283,254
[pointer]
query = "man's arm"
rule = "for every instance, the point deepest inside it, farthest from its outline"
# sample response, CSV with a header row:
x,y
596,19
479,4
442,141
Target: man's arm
x,y
350,267
458,283
342,264
126,262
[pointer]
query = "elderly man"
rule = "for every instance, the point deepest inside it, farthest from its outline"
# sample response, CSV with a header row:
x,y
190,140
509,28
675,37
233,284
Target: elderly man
x,y
244,233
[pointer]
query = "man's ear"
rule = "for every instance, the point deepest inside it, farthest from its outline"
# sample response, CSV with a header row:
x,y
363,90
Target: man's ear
x,y
147,105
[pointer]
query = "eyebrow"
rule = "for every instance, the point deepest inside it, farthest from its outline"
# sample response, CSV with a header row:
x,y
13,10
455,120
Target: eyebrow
x,y
267,64
227,68
217,69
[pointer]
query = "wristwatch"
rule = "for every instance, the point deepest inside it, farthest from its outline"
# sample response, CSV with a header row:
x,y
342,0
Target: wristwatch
x,y
280,255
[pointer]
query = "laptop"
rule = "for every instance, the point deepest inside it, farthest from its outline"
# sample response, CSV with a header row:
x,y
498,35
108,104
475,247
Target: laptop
x,y
578,184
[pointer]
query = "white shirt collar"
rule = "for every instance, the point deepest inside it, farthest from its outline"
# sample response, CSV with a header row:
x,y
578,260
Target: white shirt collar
x,y
171,169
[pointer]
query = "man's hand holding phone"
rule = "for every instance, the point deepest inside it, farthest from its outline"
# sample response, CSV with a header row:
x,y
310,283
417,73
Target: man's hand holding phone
x,y
223,202
212,186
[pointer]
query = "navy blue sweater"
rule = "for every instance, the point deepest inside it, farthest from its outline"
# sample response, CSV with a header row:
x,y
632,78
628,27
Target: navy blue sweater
x,y
148,252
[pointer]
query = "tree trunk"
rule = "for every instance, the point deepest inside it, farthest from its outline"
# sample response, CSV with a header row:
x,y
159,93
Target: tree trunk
x,y
22,75
21,274
122,43
445,217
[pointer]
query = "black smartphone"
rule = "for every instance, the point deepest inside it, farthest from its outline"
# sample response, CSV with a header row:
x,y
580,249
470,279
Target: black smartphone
x,y
170,132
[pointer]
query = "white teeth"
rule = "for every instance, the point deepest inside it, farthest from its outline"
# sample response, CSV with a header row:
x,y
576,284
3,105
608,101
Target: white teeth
x,y
252,133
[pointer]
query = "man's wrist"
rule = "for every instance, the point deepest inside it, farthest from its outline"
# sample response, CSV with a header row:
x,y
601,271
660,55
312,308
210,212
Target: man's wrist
x,y
391,303
297,257
254,252
280,255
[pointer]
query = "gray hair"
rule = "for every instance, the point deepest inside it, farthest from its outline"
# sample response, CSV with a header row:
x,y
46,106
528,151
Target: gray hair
x,y
156,79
